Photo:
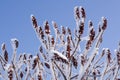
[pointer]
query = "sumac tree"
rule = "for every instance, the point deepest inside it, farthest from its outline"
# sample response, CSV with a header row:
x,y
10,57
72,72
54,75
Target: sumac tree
x,y
59,56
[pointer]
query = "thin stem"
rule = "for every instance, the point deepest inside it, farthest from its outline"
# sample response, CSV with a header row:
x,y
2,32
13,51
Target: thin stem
x,y
14,55
52,70
76,46
116,72
15,71
60,70
74,77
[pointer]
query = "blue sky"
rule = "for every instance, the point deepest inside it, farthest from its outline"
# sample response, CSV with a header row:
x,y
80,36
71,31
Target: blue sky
x,y
15,19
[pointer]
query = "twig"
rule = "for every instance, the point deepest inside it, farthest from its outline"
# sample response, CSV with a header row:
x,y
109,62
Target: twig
x,y
16,74
52,70
74,77
116,72
60,71
76,46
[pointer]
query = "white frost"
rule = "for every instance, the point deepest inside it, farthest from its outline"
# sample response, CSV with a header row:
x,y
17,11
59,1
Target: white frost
x,y
60,54
7,66
13,42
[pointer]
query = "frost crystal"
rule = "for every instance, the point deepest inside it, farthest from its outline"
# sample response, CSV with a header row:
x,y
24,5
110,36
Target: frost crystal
x,y
14,43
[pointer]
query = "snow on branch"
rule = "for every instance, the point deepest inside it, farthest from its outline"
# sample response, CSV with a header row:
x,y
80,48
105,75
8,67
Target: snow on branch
x,y
60,56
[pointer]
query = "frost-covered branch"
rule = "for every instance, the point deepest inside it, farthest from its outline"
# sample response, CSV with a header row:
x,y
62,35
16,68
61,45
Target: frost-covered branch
x,y
60,56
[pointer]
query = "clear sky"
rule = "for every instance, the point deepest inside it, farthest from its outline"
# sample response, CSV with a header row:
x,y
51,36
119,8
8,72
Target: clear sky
x,y
15,19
